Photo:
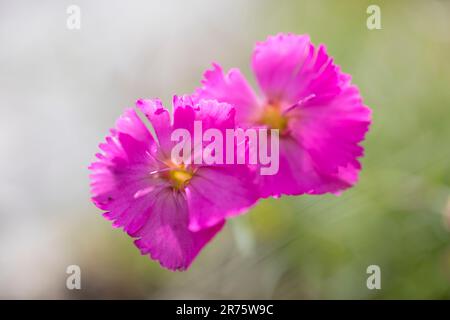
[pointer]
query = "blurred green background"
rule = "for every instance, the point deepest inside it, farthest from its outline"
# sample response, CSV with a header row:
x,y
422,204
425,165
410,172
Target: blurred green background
x,y
61,91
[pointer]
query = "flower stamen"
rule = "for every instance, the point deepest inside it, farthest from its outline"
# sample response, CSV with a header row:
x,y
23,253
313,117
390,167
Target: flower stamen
x,y
179,176
274,118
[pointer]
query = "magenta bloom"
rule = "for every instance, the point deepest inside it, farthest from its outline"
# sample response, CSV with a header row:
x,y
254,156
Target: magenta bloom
x,y
172,209
319,113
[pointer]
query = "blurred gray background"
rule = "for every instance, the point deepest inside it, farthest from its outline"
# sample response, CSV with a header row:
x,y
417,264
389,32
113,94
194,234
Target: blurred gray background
x,y
61,90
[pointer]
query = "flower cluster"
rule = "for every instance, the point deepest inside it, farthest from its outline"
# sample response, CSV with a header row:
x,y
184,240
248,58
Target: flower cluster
x,y
174,208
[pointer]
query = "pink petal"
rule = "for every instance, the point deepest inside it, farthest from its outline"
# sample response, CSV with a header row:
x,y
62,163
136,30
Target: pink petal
x,y
330,131
210,113
219,192
328,121
166,237
233,89
213,114
120,179
126,182
160,119
289,68
278,63
298,174
216,191
320,153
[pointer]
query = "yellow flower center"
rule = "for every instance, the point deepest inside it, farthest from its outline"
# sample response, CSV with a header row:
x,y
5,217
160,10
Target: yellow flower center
x,y
273,117
179,176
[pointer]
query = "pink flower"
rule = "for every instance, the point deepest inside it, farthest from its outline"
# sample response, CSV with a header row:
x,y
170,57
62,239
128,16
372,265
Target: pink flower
x,y
173,210
319,113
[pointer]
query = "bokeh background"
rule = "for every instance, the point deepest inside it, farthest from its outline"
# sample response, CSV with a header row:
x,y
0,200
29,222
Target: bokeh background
x,y
61,91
